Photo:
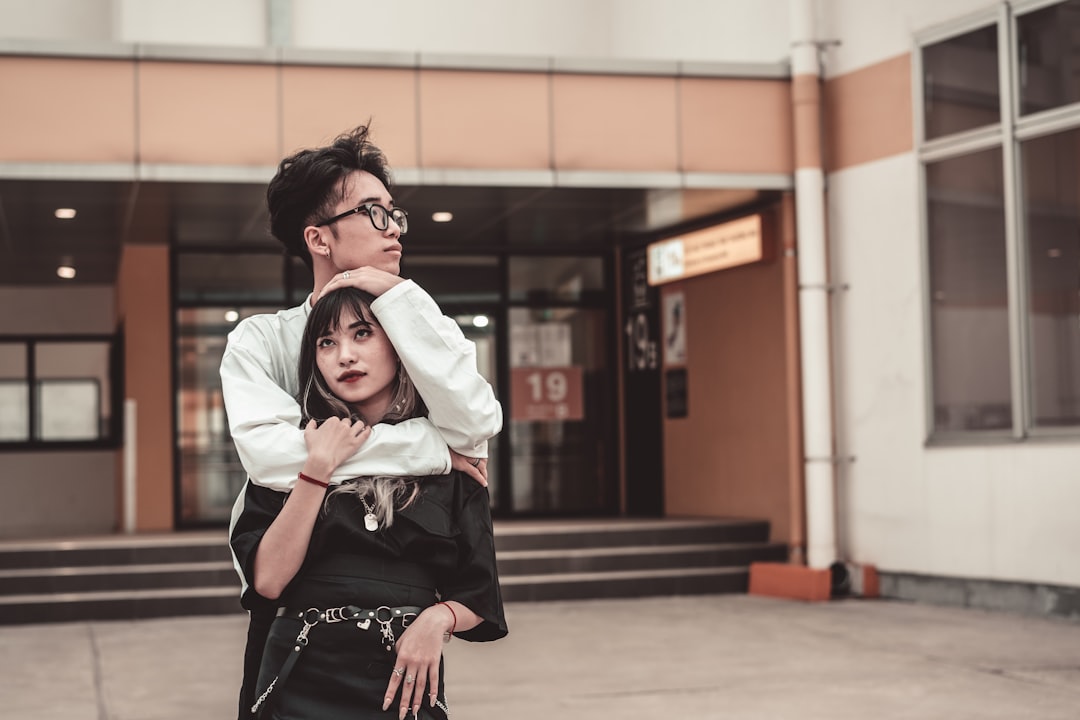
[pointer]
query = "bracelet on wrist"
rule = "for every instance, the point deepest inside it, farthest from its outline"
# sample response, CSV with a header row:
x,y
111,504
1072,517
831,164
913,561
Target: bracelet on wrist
x,y
449,633
313,481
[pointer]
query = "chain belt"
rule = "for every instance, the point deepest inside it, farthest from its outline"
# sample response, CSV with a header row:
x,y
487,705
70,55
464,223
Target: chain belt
x,y
311,617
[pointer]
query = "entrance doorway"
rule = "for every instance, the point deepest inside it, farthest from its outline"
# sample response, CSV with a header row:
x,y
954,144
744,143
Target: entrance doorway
x,y
542,330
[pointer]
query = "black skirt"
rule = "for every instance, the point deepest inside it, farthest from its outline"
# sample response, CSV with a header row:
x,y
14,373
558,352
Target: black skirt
x,y
345,668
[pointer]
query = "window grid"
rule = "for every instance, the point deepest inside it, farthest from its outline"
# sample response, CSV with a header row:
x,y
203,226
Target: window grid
x,y
1008,134
36,383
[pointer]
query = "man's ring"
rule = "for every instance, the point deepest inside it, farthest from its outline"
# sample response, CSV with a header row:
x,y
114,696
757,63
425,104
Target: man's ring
x,y
345,275
475,462
399,671
409,679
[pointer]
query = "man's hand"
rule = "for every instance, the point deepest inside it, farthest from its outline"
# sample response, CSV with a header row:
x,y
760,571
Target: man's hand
x,y
366,278
476,468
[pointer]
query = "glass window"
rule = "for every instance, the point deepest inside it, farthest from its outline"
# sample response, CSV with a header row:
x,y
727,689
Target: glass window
x,y
1049,48
239,277
14,393
455,279
968,291
1051,192
73,390
960,83
72,397
556,279
301,281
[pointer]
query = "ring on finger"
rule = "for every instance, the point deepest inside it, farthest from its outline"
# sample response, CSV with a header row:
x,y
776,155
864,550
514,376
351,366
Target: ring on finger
x,y
399,671
345,275
475,462
409,679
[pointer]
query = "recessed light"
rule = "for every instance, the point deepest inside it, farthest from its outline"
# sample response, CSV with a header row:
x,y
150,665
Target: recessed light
x,y
231,316
65,271
64,213
442,216
480,321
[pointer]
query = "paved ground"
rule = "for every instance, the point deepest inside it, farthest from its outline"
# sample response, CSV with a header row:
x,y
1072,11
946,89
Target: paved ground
x,y
740,657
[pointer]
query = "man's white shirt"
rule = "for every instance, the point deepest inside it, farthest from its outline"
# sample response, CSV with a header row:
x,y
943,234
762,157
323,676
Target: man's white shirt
x,y
259,385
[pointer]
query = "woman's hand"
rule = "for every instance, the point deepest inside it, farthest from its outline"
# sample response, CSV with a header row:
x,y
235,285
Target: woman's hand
x,y
332,443
418,654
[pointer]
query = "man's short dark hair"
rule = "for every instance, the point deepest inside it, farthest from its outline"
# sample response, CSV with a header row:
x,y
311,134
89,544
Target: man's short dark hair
x,y
310,183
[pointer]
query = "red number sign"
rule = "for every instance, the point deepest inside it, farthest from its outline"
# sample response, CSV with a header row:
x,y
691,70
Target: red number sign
x,y
546,393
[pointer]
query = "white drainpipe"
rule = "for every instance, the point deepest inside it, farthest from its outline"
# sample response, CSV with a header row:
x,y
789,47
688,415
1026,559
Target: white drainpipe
x,y
818,452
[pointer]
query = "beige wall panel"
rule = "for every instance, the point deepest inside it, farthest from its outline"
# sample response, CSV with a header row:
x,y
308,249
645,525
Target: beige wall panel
x,y
143,304
615,123
730,457
57,494
67,110
741,126
484,120
319,103
868,114
208,114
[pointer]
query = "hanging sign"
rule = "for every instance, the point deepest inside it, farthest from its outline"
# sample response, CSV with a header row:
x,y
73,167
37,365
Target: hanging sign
x,y
714,248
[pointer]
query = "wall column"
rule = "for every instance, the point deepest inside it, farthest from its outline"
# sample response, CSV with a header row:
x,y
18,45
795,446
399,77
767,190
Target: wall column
x,y
143,307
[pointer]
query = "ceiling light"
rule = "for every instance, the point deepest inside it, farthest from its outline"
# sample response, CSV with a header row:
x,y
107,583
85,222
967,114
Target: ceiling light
x,y
231,316
65,271
480,321
64,213
442,216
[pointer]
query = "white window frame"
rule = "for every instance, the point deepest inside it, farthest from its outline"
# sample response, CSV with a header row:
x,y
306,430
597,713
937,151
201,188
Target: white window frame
x,y
1008,133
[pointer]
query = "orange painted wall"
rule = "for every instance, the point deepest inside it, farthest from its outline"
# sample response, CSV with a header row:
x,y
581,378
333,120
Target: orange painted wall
x,y
143,307
62,110
251,115
731,456
868,114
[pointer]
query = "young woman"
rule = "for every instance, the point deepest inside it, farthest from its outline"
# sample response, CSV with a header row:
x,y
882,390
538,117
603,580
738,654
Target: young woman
x,y
372,576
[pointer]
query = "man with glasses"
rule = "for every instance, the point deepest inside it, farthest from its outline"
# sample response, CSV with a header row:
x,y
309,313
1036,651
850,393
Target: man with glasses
x,y
332,207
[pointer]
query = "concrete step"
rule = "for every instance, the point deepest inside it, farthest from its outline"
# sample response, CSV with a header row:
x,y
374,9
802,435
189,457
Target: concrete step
x,y
115,550
94,578
637,557
625,584
118,577
118,605
538,535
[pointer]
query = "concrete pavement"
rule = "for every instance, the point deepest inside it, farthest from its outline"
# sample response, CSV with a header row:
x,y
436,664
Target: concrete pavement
x,y
728,656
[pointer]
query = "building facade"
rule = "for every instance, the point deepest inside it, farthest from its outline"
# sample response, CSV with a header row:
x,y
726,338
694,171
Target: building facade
x,y
814,262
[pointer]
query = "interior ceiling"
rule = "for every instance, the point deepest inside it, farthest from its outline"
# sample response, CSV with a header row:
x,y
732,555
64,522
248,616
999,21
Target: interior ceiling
x,y
33,242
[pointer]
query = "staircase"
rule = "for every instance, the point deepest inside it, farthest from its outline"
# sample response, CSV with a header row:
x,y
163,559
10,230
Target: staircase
x,y
125,577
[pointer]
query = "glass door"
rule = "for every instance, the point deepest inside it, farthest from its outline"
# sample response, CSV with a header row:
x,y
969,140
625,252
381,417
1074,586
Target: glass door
x,y
560,409
211,475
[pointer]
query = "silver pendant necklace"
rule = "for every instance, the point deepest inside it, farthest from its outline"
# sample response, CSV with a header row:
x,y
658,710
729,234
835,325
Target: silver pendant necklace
x,y
371,523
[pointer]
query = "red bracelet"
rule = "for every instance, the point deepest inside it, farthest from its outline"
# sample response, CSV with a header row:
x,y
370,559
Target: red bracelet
x,y
454,614
313,481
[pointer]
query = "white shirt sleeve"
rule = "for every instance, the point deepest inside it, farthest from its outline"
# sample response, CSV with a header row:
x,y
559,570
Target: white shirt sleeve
x,y
264,421
441,362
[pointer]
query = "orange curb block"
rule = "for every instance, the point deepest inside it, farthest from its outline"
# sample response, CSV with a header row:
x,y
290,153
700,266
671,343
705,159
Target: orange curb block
x,y
794,582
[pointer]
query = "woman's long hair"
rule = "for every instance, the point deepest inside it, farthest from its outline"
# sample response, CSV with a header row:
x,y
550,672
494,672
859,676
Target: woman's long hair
x,y
318,403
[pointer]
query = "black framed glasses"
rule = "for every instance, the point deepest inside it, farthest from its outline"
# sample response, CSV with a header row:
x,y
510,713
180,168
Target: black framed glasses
x,y
380,217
